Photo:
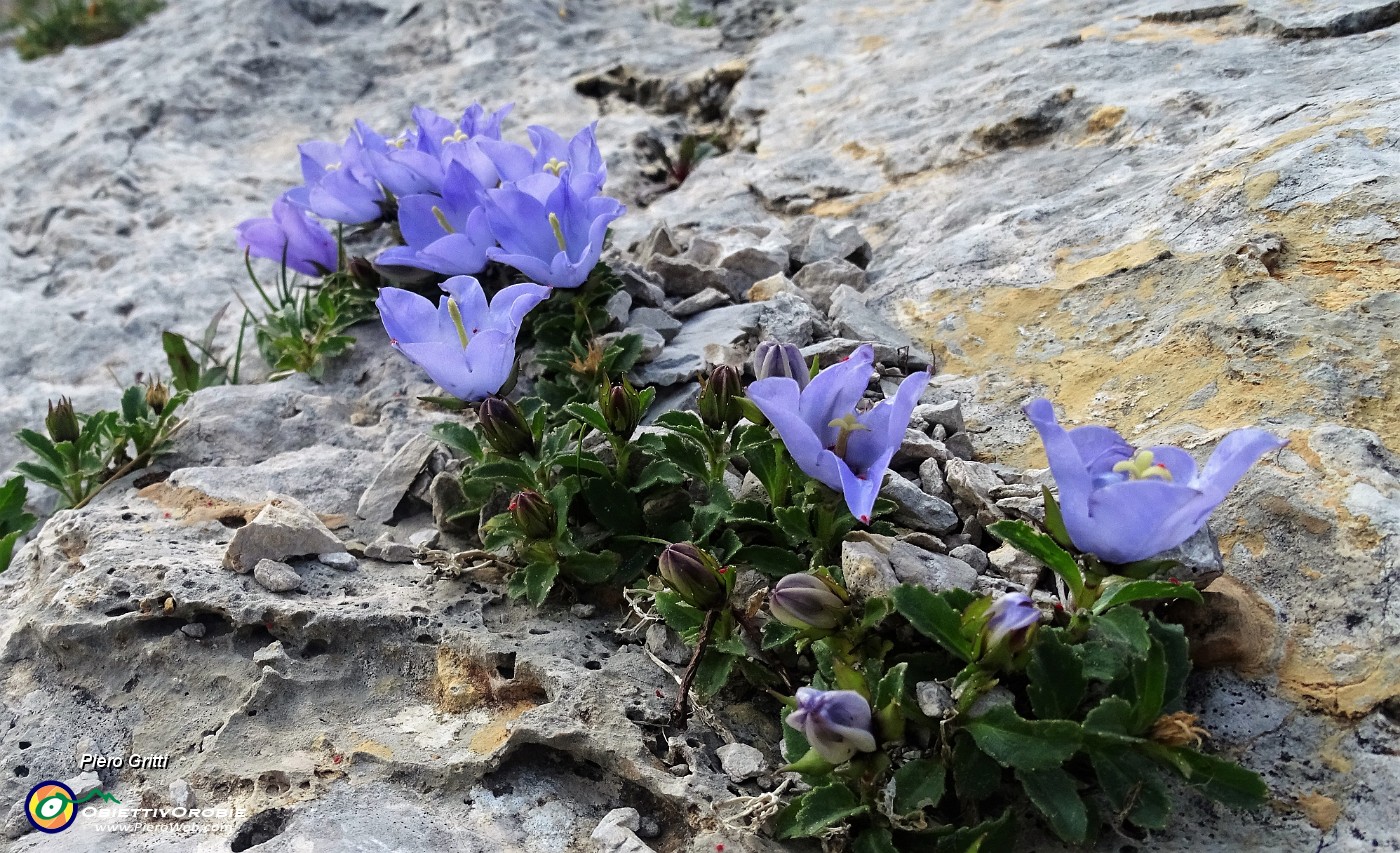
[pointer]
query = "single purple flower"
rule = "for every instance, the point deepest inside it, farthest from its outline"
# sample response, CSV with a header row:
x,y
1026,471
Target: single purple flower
x,y
580,157
398,163
291,233
828,438
1123,504
1010,620
437,133
466,345
338,185
447,234
554,238
775,359
835,722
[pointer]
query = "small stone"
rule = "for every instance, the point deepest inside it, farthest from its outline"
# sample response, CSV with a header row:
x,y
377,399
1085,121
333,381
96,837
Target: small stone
x,y
702,339
1199,557
937,572
649,829
679,769
666,644
934,699
789,318
386,549
973,556
17,822
741,762
380,501
917,509
618,306
644,287
815,240
583,611
181,796
931,479
866,569
284,528
271,654
960,445
655,318
971,484
751,489
344,562
770,287
658,242
194,629
275,576
425,538
819,281
1030,509
626,817
702,301
947,414
615,833
917,448
84,784
684,277
927,541
854,319
834,350
1021,569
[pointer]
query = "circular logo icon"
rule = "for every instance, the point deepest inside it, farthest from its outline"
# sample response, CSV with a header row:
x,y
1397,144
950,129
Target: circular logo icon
x,y
49,806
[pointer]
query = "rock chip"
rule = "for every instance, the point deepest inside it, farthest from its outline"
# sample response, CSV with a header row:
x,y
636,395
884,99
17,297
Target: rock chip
x,y
616,833
387,489
194,629
741,762
819,281
971,484
276,576
284,528
771,286
916,508
866,569
342,561
390,550
852,318
1016,566
931,478
938,572
789,318
181,795
948,414
702,301
972,555
655,318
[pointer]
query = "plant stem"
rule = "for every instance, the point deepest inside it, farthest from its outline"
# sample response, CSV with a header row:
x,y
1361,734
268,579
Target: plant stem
x,y
681,713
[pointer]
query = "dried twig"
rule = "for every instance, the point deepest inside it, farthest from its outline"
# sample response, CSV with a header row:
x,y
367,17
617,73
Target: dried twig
x,y
682,710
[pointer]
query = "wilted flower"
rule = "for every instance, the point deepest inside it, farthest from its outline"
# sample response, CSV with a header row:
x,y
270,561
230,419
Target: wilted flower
x,y
290,234
444,233
695,575
1010,622
338,185
157,396
835,722
720,395
829,440
464,344
621,406
533,514
548,229
806,602
774,359
1123,504
504,426
62,421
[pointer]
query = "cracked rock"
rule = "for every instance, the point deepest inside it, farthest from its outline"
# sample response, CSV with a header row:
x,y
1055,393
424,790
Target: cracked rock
x,y
741,762
387,489
917,509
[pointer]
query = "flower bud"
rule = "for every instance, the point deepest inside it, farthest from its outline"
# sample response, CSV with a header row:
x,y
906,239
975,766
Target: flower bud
x,y
504,427
533,514
62,421
622,408
1011,622
806,603
835,722
775,359
695,575
157,396
720,396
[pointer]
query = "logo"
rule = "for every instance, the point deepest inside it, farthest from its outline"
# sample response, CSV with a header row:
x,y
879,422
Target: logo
x,y
52,807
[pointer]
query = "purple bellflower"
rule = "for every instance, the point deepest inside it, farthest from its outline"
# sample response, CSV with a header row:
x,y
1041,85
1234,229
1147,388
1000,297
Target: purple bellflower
x,y
447,234
292,234
398,163
828,438
466,345
1009,620
580,158
835,722
436,133
1123,504
338,185
553,237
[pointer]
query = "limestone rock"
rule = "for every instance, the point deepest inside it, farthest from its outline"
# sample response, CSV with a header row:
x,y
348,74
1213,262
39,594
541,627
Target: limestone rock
x,y
866,569
393,481
275,576
284,528
741,762
916,508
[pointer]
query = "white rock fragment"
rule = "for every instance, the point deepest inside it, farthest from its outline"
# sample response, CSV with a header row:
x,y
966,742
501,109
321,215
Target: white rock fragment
x,y
284,528
275,576
741,762
393,481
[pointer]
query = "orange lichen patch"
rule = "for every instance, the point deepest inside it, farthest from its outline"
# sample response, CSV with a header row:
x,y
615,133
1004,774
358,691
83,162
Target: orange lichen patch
x,y
463,682
1070,274
1151,32
1316,685
192,506
1334,751
369,747
1257,187
1374,136
1105,119
856,150
867,44
1322,811
494,734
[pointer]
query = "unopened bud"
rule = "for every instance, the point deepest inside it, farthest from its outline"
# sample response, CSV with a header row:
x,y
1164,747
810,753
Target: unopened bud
x,y
622,408
62,421
695,575
1011,623
807,603
504,427
365,274
533,514
720,397
774,359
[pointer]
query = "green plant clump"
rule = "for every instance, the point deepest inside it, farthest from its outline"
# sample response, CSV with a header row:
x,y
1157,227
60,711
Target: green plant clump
x,y
48,26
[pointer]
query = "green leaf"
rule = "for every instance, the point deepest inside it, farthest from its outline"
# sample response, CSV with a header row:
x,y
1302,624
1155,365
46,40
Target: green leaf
x,y
590,415
1172,638
991,836
1129,591
43,447
773,562
1056,678
876,609
776,634
459,438
686,423
712,673
1024,744
507,472
795,522
613,505
932,616
657,472
1115,639
890,690
184,370
1222,780
1132,786
1149,680
1110,722
534,582
1055,793
1025,538
976,774
679,616
875,839
592,568
822,807
1054,520
917,784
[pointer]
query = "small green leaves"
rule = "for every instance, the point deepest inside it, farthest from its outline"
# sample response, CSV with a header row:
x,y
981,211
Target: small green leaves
x,y
1116,591
1025,538
819,808
1221,780
1056,678
1054,792
932,616
1024,744
14,521
917,784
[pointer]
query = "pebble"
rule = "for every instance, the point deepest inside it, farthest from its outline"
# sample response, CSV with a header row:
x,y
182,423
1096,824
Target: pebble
x,y
381,500
702,301
194,629
284,528
916,509
822,279
181,796
741,762
583,611
618,307
655,318
275,576
947,414
386,549
343,561
931,479
973,556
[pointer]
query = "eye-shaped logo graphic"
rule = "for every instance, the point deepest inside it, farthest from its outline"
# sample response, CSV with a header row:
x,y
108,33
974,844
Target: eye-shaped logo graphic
x,y
50,806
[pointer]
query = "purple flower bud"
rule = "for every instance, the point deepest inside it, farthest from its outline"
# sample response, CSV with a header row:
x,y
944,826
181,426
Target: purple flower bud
x,y
807,603
504,427
533,514
695,575
1011,621
835,722
720,395
774,359
621,406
